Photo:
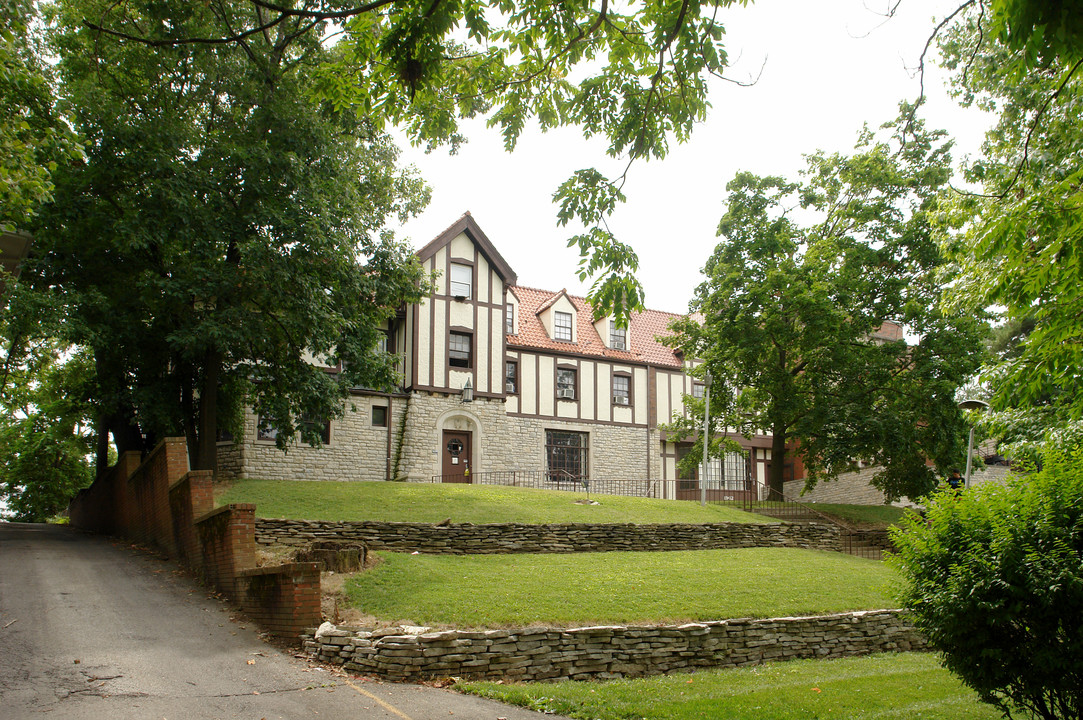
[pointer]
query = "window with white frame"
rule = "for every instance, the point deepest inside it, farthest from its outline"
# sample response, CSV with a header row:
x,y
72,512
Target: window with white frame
x,y
509,319
567,455
562,326
459,350
622,390
566,384
618,336
462,281
697,389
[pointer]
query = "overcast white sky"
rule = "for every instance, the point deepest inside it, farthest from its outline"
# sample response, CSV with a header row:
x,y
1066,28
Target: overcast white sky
x,y
830,67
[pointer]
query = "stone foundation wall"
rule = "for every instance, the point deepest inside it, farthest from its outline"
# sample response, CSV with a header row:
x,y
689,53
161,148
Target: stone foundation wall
x,y
503,442
358,450
854,488
588,653
502,538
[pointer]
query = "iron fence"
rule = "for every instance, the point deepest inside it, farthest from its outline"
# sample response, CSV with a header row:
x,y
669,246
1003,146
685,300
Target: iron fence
x,y
558,480
871,544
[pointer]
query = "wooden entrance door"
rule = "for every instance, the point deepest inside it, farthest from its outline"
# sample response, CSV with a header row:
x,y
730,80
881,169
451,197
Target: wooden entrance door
x,y
458,458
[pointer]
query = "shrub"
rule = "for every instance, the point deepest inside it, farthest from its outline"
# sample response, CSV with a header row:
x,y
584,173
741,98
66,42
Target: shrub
x,y
995,580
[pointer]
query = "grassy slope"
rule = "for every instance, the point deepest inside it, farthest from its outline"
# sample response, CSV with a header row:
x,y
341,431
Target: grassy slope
x,y
879,516
886,687
645,587
423,502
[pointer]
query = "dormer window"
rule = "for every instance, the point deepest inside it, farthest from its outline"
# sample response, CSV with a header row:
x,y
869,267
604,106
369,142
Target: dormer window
x,y
461,281
618,336
562,326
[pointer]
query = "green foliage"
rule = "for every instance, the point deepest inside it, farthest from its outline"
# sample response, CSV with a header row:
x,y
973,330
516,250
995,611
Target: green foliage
x,y
788,314
995,580
1040,29
887,686
32,138
224,227
423,502
44,445
609,588
1021,249
634,73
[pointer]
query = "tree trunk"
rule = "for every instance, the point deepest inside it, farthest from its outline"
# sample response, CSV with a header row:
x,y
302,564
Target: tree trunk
x,y
205,456
101,451
777,476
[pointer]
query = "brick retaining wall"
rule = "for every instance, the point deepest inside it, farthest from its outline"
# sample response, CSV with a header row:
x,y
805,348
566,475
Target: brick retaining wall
x,y
160,503
588,653
501,538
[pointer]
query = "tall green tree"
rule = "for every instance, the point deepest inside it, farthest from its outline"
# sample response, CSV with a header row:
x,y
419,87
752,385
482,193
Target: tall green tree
x,y
1021,250
46,434
224,227
634,73
32,136
787,319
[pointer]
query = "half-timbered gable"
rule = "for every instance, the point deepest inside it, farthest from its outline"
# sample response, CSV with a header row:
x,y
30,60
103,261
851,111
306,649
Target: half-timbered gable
x,y
455,335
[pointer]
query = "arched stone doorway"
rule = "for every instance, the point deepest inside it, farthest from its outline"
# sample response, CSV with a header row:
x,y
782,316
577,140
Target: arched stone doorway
x,y
459,446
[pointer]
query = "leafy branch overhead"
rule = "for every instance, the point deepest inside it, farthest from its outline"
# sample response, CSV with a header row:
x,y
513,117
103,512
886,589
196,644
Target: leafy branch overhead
x,y
1020,250
633,73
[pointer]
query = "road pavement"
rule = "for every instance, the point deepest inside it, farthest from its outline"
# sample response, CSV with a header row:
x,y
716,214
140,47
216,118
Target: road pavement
x,y
94,629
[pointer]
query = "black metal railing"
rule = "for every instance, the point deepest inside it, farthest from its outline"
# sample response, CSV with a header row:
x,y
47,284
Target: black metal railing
x,y
756,497
558,480
871,544
763,500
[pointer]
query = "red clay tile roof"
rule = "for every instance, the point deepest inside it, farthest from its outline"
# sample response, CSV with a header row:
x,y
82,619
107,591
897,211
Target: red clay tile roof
x,y
643,330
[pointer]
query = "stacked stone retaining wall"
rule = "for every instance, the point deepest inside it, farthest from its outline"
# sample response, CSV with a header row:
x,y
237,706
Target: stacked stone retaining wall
x,y
588,653
503,538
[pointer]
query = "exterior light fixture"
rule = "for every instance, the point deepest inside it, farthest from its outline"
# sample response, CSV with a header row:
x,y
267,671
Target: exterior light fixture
x,y
468,392
971,405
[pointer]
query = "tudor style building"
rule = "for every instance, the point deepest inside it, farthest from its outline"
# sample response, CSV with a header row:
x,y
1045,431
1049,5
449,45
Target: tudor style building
x,y
497,378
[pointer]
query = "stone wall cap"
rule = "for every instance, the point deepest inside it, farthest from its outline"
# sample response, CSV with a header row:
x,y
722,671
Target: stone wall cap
x,y
283,569
597,629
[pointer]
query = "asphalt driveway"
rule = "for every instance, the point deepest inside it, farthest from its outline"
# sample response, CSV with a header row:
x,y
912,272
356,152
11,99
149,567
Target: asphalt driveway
x,y
93,628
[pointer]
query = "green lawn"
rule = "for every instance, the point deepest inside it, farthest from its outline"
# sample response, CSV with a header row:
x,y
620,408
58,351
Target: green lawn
x,y
425,502
885,686
615,588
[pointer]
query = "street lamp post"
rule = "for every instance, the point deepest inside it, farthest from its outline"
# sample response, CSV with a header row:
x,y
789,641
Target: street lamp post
x,y
971,405
706,436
